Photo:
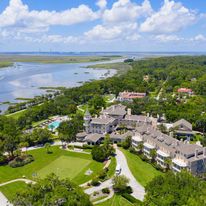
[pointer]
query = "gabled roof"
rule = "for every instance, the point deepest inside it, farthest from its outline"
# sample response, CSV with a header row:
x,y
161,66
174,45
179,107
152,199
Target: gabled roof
x,y
118,109
137,118
102,120
93,137
183,122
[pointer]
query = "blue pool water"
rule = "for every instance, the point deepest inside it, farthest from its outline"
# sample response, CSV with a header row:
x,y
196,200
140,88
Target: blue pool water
x,y
54,125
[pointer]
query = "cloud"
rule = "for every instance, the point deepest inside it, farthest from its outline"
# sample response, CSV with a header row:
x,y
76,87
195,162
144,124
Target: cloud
x,y
108,32
125,11
199,38
171,17
18,16
167,38
101,4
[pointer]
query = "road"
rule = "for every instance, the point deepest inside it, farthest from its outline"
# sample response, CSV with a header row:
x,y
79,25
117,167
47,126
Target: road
x,y
138,190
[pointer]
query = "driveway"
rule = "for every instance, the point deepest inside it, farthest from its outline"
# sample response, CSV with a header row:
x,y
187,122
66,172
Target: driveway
x,y
4,201
138,190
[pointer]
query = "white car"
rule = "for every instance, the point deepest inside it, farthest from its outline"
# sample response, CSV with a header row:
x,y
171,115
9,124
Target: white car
x,y
118,170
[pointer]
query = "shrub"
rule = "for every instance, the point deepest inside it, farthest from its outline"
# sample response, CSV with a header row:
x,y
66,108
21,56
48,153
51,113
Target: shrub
x,y
105,190
131,199
86,146
102,174
95,182
132,150
119,144
21,161
95,193
99,153
3,159
127,143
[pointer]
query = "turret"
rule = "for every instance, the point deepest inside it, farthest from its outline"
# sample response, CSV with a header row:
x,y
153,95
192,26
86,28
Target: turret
x,y
87,119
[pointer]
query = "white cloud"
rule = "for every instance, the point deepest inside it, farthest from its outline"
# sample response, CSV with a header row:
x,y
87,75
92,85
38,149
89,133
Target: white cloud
x,y
126,11
101,4
108,32
171,17
199,37
17,15
167,38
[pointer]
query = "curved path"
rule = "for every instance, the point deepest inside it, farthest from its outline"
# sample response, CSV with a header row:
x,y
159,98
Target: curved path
x,y
27,181
138,190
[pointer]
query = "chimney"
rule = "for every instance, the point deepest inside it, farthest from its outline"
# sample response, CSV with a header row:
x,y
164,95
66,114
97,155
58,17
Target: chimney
x,y
102,109
204,151
113,107
196,153
147,114
171,134
129,112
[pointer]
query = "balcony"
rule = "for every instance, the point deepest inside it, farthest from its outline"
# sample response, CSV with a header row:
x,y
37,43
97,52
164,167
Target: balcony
x,y
161,156
136,140
147,148
178,165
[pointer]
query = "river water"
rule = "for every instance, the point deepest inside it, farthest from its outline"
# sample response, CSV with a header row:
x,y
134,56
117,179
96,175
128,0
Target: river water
x,y
23,80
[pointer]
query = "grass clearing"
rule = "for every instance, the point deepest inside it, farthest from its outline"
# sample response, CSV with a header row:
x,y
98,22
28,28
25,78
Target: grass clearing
x,y
42,160
65,167
12,189
142,171
116,200
18,114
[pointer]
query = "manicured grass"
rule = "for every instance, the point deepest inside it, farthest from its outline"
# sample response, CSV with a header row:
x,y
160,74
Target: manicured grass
x,y
42,160
18,114
112,167
116,200
12,189
65,167
142,171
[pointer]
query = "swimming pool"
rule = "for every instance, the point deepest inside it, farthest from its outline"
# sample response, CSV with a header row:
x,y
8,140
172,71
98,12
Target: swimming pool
x,y
54,125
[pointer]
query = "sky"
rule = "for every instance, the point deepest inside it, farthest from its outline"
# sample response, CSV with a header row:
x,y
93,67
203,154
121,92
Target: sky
x,y
103,25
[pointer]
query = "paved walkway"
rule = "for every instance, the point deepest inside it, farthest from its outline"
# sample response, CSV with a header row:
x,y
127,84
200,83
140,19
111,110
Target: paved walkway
x,y
27,181
4,200
138,190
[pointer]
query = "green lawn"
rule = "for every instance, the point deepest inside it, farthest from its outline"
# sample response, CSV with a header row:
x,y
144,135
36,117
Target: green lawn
x,y
112,167
65,167
116,200
18,114
142,171
10,190
44,161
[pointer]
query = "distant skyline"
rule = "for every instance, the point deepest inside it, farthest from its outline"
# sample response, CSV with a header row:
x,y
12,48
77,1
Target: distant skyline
x,y
103,25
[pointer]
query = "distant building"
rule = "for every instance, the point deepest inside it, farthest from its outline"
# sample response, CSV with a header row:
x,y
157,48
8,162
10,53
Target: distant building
x,y
129,96
183,128
185,91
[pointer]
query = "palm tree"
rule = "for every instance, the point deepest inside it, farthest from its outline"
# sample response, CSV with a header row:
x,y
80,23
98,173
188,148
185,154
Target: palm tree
x,y
153,154
140,147
168,163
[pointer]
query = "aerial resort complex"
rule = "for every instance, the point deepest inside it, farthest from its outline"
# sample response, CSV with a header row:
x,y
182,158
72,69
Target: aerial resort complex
x,y
143,131
102,103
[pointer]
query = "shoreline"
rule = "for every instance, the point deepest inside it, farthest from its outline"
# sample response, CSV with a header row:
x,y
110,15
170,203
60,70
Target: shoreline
x,y
11,60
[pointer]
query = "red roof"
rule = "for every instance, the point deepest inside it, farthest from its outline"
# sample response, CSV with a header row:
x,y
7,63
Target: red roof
x,y
184,90
132,95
